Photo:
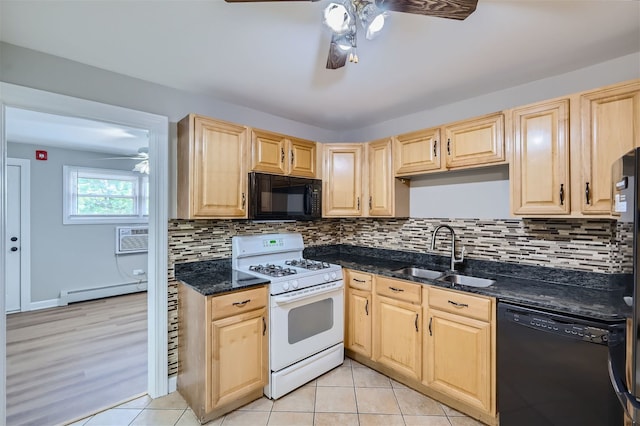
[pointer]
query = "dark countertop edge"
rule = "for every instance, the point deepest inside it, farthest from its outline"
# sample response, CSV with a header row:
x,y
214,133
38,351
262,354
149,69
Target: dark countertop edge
x,y
599,302
215,277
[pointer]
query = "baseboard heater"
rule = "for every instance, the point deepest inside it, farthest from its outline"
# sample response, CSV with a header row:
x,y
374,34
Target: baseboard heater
x,y
80,295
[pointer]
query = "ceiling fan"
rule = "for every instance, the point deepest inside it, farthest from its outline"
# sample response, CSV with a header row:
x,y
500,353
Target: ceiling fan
x,y
142,157
341,17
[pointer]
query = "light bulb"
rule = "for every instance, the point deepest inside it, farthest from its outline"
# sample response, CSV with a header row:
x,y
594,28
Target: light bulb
x,y
337,18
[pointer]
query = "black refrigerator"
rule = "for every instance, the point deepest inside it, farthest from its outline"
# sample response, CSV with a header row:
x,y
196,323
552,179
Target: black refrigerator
x,y
624,354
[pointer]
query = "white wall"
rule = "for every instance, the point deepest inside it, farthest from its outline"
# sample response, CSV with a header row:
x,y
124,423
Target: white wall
x,y
469,194
68,257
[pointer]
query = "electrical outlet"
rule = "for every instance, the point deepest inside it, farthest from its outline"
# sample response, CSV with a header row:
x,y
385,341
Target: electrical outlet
x,y
138,272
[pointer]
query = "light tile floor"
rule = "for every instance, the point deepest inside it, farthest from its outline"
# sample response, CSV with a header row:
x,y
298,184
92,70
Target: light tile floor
x,y
351,394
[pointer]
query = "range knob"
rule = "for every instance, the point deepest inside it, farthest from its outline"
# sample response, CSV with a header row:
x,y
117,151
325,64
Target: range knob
x,y
326,277
334,276
285,285
294,283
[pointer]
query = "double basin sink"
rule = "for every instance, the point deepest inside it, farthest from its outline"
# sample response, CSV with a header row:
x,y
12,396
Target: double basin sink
x,y
449,277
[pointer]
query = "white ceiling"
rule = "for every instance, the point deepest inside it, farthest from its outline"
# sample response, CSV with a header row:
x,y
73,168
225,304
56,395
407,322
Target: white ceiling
x,y
271,56
43,129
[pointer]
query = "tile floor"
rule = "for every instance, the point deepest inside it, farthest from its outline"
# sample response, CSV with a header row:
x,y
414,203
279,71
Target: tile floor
x,y
351,394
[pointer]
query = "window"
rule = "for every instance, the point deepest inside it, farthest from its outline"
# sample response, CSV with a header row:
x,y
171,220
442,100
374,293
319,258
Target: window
x,y
105,196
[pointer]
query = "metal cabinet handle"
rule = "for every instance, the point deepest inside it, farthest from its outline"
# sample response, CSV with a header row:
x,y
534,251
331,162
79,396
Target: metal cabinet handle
x,y
264,326
416,322
587,192
430,321
14,248
241,304
397,290
292,157
244,200
358,208
282,155
435,151
366,307
14,239
359,281
449,146
562,194
458,305
370,201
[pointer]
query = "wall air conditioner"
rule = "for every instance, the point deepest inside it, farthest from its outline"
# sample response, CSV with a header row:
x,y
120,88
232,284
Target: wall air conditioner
x,y
132,239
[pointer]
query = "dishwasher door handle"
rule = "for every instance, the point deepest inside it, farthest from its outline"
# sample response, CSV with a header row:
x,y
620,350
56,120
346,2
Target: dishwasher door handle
x,y
616,368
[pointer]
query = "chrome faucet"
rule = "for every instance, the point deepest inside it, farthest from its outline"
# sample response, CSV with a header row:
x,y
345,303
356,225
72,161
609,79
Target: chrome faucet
x,y
453,245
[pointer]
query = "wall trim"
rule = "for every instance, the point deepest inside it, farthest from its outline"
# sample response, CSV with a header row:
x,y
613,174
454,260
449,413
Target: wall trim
x,y
44,304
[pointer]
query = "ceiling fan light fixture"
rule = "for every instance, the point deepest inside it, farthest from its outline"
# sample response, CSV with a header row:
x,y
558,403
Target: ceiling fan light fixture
x,y
338,18
371,18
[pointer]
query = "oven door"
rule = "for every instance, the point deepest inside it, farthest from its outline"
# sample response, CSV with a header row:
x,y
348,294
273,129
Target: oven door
x,y
304,324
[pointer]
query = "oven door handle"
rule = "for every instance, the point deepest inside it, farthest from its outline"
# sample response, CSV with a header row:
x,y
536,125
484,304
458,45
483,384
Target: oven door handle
x,y
285,300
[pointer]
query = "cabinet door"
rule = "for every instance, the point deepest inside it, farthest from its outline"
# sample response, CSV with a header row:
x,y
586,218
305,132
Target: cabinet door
x,y
342,180
359,309
381,181
239,356
610,129
458,359
540,168
268,152
302,158
397,338
475,142
417,152
218,184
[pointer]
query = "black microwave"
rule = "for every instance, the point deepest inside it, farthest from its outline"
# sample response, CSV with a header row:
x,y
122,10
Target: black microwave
x,y
273,197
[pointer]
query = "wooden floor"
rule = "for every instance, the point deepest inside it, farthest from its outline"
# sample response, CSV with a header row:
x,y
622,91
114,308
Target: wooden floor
x,y
68,362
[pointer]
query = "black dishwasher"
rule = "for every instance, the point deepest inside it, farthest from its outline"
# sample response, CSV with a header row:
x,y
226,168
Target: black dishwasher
x,y
552,369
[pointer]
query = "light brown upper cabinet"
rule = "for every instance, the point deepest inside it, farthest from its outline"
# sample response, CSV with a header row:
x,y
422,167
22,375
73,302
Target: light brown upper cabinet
x,y
610,120
539,172
212,168
464,144
387,196
342,182
358,181
283,155
417,152
475,142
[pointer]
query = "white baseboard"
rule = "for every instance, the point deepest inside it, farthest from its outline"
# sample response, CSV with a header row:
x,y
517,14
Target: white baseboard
x,y
81,294
173,383
44,304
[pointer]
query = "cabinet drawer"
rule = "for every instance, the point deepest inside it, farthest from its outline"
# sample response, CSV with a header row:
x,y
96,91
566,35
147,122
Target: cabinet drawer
x,y
238,302
400,290
359,280
460,303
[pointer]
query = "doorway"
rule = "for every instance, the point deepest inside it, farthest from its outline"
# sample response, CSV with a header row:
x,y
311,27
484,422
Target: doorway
x,y
18,266
157,126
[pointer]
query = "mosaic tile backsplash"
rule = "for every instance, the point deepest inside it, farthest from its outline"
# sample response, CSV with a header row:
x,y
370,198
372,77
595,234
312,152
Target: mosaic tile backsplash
x,y
596,245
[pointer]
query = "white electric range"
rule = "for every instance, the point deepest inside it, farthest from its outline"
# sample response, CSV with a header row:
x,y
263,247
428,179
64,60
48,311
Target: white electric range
x,y
306,308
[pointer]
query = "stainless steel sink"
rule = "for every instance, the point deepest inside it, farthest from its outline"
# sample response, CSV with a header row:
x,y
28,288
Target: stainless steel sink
x,y
420,273
466,280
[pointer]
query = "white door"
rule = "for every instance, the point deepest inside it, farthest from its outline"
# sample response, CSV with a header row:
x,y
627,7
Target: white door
x,y
17,234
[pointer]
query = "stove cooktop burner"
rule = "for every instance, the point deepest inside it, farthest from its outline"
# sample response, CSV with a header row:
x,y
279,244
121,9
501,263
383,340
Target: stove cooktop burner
x,y
272,270
312,265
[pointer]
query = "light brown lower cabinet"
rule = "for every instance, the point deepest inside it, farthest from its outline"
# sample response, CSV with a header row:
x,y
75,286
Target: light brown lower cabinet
x,y
438,341
397,341
359,308
223,350
459,347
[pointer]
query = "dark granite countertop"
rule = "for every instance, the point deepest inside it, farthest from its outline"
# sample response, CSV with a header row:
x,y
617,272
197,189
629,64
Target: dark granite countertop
x,y
210,277
584,294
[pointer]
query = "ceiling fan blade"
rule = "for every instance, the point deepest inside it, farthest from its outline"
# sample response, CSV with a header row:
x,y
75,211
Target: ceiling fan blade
x,y
337,57
452,9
